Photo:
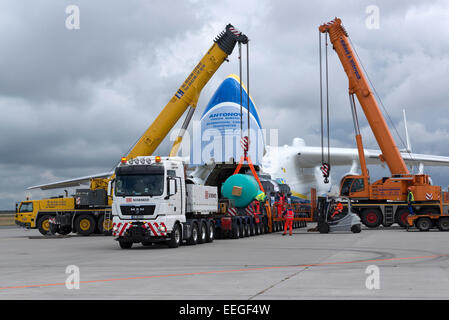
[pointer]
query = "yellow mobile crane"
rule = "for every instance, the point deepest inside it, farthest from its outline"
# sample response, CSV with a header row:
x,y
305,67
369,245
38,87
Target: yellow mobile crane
x,y
88,210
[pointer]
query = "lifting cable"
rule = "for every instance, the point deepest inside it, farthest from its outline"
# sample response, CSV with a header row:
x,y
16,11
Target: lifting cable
x,y
325,166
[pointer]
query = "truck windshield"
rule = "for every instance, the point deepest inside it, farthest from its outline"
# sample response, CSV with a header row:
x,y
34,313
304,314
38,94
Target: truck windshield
x,y
139,185
345,187
26,207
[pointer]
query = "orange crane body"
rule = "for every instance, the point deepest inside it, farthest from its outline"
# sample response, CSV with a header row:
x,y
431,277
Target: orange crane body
x,y
396,187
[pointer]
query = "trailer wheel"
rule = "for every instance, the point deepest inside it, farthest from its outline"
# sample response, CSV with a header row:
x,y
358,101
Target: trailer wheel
x,y
211,232
246,229
85,225
261,227
443,224
242,230
125,244
203,233
371,218
252,230
424,224
235,232
175,237
43,225
193,240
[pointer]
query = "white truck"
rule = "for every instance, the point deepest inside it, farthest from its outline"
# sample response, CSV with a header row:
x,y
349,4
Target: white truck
x,y
153,202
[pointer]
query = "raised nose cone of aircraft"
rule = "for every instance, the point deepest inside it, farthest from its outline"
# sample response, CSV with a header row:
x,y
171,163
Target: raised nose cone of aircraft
x,y
223,123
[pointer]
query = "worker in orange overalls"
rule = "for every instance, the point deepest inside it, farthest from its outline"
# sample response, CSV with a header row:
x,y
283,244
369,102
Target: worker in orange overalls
x,y
288,221
338,209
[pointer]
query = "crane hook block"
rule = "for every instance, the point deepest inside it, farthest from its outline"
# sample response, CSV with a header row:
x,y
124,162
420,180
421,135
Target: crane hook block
x,y
227,39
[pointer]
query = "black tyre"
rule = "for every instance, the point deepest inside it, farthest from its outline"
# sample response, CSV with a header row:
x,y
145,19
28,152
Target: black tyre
x,y
105,225
256,228
147,243
357,228
423,224
252,230
242,230
323,227
371,218
211,232
125,244
401,217
202,238
175,237
85,224
246,229
235,233
193,240
44,225
443,224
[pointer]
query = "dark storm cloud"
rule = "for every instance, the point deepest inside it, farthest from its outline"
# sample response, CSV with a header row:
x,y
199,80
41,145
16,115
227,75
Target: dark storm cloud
x,y
73,102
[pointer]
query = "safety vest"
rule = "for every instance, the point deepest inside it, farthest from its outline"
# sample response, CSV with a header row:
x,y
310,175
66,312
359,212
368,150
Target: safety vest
x,y
260,197
289,215
256,208
339,207
410,197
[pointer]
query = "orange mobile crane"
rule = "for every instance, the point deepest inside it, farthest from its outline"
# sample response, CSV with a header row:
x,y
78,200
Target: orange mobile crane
x,y
383,201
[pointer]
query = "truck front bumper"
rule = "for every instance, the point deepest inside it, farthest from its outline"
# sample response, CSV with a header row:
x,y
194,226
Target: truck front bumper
x,y
140,233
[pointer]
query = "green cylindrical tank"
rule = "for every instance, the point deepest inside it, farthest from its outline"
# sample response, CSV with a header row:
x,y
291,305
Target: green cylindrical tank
x,y
242,184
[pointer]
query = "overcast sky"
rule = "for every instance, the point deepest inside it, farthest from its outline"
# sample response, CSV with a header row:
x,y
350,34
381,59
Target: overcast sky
x,y
72,102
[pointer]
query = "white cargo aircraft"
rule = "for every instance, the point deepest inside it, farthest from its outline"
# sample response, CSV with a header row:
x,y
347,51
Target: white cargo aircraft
x,y
296,165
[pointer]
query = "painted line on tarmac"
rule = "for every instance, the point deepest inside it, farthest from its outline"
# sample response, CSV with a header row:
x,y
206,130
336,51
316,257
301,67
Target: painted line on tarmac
x,y
229,271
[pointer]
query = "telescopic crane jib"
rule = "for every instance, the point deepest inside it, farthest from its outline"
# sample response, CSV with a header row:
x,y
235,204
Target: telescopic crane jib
x,y
187,95
396,186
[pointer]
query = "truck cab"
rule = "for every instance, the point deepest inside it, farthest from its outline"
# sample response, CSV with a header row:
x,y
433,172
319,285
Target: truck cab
x,y
153,202
26,212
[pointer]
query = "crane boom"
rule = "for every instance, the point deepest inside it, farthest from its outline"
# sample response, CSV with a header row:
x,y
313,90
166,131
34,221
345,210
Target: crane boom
x,y
359,86
189,92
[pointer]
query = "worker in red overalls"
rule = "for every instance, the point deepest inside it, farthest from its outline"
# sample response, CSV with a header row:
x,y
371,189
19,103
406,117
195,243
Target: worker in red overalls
x,y
338,209
288,221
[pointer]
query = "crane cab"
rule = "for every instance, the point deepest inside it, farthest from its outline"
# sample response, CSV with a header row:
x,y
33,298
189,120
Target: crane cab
x,y
354,186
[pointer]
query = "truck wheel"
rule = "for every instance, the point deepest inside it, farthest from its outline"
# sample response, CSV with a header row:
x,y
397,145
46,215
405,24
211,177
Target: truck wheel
x,y
64,230
211,232
357,228
147,243
235,231
203,233
371,218
242,230
85,225
193,240
256,228
401,217
423,224
175,237
105,225
443,224
125,244
43,225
